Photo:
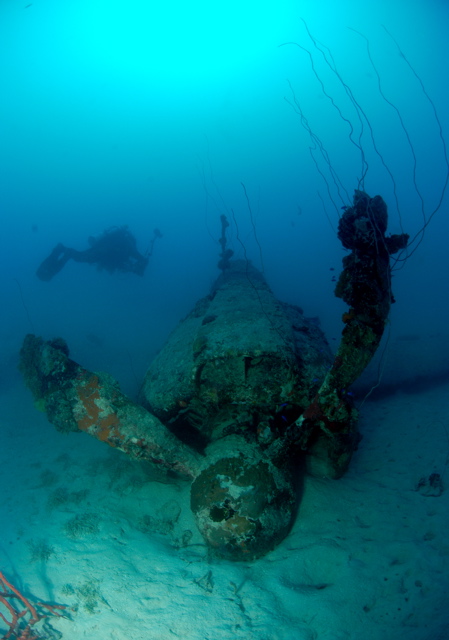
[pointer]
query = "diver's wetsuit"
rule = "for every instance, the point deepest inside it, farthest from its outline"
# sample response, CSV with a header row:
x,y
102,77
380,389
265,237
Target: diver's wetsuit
x,y
115,249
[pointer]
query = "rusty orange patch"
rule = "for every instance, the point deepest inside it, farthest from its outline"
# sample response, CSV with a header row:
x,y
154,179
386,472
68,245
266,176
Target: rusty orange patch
x,y
103,427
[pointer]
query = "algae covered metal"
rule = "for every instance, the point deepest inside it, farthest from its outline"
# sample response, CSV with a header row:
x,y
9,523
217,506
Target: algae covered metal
x,y
241,361
244,396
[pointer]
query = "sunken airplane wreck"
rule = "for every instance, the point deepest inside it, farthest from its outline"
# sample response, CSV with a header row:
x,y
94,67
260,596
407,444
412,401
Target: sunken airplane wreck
x,y
244,396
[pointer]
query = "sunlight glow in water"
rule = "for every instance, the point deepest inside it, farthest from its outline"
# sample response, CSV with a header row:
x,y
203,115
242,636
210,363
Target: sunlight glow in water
x,y
176,40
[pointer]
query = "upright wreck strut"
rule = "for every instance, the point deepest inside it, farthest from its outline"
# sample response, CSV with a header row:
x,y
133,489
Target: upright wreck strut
x,y
328,423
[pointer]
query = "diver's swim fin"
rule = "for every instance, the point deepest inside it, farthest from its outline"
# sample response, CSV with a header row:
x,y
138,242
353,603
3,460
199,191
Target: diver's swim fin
x,y
54,263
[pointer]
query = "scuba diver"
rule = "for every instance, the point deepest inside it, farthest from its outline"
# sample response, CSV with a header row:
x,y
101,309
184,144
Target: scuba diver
x,y
114,249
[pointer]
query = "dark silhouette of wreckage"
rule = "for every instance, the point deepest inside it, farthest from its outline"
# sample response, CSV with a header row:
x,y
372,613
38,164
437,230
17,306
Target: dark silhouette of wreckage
x,y
245,395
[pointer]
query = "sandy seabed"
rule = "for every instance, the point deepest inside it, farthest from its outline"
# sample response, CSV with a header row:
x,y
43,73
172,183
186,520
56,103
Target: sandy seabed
x,y
367,559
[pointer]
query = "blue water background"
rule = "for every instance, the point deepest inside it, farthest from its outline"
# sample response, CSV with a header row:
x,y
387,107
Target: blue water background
x,y
127,113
